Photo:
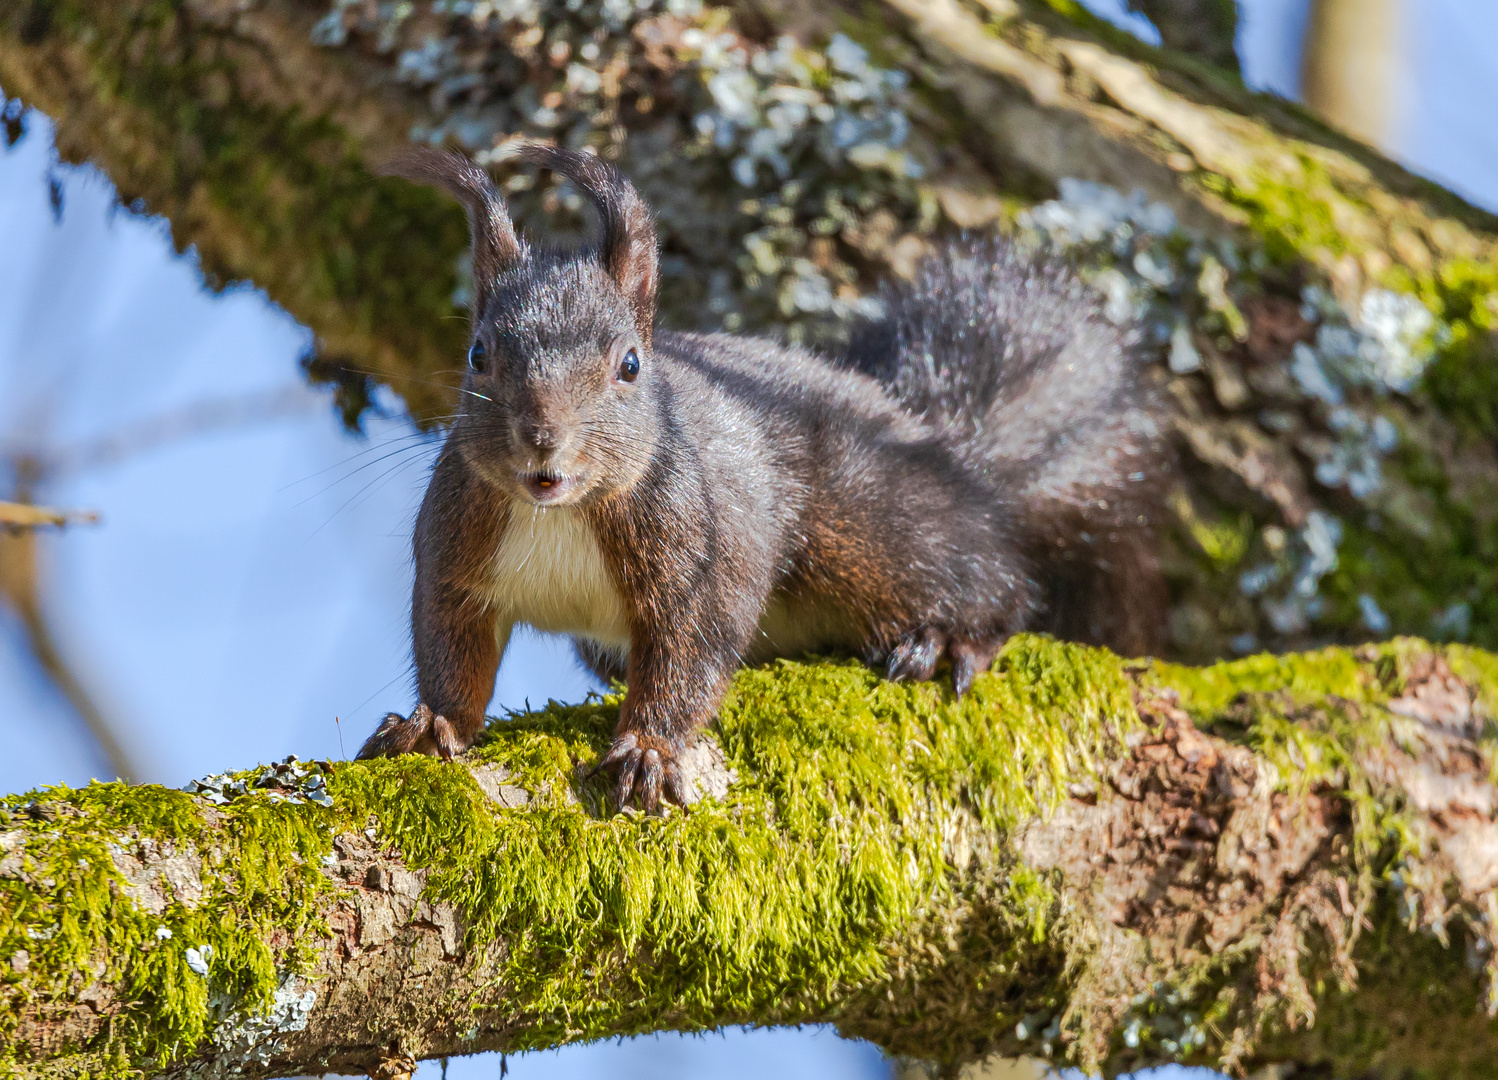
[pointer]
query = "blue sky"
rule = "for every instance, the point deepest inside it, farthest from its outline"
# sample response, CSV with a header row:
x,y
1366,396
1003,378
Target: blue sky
x,y
248,586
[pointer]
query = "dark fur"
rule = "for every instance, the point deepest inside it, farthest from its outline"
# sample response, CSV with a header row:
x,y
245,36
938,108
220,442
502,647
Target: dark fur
x,y
750,500
1015,359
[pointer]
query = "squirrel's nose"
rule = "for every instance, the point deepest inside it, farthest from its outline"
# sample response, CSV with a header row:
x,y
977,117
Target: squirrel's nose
x,y
540,436
545,420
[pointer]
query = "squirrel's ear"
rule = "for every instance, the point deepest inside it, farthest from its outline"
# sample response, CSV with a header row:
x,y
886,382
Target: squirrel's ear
x,y
628,249
496,248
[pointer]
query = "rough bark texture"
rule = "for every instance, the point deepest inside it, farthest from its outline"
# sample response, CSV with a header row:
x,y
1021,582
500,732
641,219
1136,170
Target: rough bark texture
x,y
1114,864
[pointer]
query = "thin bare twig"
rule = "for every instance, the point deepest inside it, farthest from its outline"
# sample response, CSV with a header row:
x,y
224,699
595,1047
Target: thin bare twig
x,y
19,590
175,425
18,516
20,586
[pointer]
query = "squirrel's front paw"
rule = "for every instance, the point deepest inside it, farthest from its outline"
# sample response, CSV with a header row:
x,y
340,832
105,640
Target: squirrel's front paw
x,y
916,655
423,732
644,766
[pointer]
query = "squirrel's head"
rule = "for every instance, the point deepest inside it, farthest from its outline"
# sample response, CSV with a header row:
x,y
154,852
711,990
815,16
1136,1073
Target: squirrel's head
x,y
558,398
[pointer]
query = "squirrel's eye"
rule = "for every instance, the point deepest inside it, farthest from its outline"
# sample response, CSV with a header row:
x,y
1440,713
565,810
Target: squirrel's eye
x,y
629,367
476,356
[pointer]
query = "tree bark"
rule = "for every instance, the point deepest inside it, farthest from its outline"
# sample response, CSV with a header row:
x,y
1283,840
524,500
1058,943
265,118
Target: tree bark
x,y
1110,864
1205,28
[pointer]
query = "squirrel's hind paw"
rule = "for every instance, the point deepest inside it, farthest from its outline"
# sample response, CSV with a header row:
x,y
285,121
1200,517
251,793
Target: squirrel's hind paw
x,y
970,658
917,654
423,732
644,767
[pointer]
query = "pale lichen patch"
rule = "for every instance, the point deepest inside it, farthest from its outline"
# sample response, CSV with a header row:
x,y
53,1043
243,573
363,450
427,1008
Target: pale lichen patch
x,y
705,771
242,1041
492,781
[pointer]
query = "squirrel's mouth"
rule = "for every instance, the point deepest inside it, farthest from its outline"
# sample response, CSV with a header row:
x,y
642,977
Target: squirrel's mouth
x,y
547,486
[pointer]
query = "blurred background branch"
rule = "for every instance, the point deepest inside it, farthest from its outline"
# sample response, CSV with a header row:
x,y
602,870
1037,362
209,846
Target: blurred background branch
x,y
213,416
23,516
20,558
1351,66
20,588
1204,28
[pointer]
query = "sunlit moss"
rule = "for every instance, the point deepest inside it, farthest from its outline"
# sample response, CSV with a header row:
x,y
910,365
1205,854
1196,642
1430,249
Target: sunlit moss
x,y
66,910
768,905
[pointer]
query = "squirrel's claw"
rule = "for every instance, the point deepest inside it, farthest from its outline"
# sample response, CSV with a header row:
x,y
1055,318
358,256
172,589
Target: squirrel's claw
x,y
624,784
916,655
650,776
423,732
623,744
645,769
969,657
674,789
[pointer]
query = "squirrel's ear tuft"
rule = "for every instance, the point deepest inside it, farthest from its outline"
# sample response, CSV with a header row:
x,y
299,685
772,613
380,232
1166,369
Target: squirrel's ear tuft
x,y
496,248
628,248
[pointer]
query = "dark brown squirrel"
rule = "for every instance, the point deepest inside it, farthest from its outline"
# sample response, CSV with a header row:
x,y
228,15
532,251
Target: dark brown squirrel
x,y
985,458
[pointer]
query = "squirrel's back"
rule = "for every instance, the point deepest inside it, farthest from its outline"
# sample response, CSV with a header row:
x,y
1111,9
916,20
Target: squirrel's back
x,y
1016,358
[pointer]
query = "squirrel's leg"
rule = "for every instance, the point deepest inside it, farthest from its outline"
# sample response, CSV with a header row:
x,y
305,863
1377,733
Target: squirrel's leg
x,y
674,689
458,648
453,625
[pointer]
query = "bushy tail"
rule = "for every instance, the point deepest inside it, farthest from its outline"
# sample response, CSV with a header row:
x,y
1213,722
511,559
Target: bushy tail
x,y
1014,357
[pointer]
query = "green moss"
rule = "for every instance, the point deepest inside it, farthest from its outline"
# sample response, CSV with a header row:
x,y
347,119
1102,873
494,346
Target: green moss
x,y
1316,717
1417,1012
1303,211
768,906
1430,541
70,914
1293,215
1479,669
1462,380
1307,677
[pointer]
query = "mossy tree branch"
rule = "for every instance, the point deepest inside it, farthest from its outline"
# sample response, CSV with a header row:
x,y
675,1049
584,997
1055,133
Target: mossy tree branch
x,y
1275,859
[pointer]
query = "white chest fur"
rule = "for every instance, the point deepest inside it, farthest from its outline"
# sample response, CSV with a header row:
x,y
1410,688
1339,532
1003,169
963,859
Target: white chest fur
x,y
549,572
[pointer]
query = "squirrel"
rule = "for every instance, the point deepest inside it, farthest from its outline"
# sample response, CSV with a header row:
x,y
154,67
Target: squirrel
x,y
984,458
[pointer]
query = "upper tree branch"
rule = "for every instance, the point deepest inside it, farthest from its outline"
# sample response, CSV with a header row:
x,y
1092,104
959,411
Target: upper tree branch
x,y
255,143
